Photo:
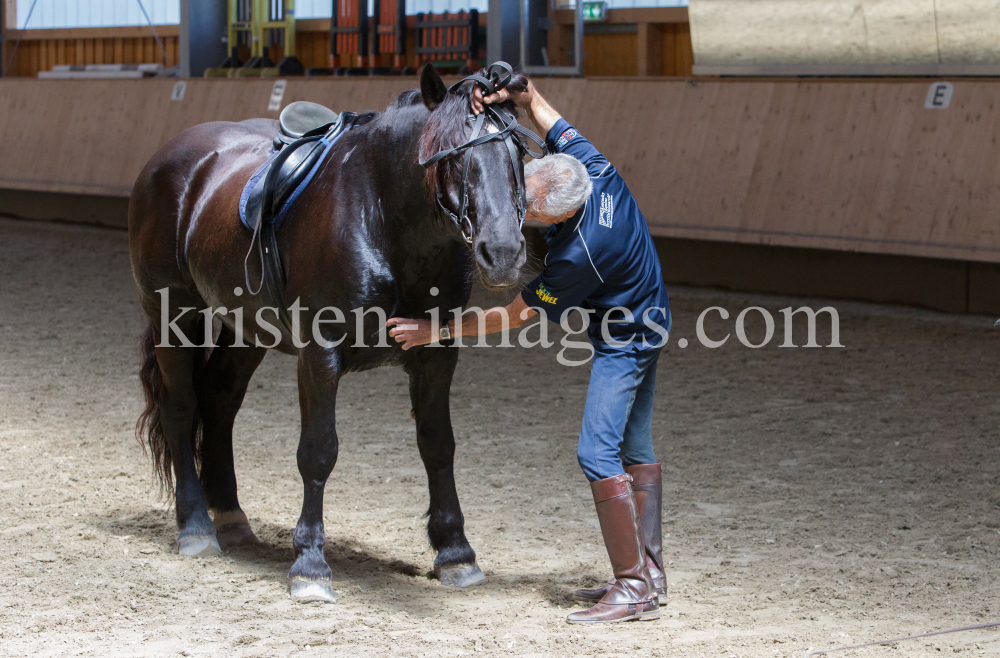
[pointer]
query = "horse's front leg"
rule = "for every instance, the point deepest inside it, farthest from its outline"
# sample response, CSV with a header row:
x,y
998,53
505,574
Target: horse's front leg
x,y
430,384
319,375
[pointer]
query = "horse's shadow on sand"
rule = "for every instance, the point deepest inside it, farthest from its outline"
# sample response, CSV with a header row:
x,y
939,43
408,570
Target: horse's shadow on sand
x,y
354,563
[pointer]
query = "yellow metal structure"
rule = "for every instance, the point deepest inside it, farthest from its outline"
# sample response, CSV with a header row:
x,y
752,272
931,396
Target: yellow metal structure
x,y
254,19
284,20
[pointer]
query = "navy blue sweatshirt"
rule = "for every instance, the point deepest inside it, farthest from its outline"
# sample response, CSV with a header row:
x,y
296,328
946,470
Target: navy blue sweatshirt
x,y
603,256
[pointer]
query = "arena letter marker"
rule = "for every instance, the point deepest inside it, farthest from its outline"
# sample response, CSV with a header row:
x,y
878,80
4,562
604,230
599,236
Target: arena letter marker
x,y
277,95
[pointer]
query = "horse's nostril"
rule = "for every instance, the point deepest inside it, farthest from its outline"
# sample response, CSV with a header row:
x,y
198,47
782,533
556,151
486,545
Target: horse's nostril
x,y
485,255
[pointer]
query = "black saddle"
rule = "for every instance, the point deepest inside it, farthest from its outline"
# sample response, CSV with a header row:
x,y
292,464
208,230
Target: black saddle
x,y
301,118
275,186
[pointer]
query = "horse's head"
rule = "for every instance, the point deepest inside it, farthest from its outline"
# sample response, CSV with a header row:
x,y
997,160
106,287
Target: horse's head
x,y
491,221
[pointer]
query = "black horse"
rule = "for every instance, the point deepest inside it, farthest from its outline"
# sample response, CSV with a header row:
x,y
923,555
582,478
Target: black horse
x,y
368,233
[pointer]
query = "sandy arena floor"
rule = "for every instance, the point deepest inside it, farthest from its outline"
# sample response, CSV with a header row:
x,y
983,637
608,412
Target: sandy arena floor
x,y
813,497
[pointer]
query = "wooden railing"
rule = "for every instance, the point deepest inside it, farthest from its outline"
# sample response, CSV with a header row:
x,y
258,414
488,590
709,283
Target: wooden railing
x,y
643,42
40,50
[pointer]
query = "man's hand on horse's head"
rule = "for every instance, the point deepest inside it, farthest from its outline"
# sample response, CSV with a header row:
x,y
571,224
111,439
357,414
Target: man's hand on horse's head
x,y
522,98
479,101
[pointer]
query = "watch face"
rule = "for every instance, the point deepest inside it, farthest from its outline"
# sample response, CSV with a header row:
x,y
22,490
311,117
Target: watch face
x,y
445,333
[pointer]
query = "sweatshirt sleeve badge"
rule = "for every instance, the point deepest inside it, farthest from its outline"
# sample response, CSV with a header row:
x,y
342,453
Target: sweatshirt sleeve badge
x,y
565,138
607,210
545,296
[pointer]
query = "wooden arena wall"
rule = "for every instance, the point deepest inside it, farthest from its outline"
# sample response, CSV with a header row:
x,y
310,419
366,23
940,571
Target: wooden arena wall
x,y
845,165
734,36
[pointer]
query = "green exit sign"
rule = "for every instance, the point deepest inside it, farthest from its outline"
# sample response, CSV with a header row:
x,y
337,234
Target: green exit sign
x,y
595,11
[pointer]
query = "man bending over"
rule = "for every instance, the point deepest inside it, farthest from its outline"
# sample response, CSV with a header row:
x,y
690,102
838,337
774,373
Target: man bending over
x,y
602,260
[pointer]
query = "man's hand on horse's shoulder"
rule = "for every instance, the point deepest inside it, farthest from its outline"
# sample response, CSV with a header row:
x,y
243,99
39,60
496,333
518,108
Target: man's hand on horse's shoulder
x,y
410,332
522,98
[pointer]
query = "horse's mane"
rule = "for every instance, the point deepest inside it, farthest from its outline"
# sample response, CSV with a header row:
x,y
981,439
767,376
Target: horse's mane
x,y
448,125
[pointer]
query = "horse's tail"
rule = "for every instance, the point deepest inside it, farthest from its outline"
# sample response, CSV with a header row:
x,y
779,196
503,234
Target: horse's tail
x,y
149,427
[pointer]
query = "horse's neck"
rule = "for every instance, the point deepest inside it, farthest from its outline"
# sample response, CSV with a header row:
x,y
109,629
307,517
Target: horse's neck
x,y
410,213
411,236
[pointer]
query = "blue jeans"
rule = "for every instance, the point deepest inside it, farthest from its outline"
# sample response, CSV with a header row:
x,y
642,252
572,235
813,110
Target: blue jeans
x,y
618,416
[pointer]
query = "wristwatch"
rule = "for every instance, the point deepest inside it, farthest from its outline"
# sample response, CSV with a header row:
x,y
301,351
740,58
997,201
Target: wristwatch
x,y
444,333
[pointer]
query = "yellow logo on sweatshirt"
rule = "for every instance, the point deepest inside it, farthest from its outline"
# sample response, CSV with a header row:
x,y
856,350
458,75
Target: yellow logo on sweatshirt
x,y
545,296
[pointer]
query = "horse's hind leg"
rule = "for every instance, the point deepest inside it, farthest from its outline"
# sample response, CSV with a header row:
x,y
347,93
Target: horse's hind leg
x,y
178,420
220,388
430,384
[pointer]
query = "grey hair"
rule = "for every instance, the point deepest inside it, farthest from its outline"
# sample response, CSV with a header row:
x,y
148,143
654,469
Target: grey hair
x,y
560,184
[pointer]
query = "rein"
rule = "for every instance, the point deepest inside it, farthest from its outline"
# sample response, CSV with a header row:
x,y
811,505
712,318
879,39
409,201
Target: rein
x,y
499,76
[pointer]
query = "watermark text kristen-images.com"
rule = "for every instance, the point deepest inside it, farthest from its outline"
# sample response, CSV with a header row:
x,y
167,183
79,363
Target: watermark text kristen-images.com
x,y
574,338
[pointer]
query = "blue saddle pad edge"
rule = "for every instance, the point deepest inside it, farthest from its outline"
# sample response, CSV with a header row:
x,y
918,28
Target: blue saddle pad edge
x,y
285,207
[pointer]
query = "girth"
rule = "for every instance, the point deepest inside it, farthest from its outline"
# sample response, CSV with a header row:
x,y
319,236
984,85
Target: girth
x,y
274,188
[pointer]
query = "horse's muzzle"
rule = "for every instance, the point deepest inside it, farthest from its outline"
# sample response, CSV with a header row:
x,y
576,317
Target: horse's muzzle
x,y
500,263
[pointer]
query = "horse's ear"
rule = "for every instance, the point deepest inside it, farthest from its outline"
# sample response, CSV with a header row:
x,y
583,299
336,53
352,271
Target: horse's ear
x,y
432,87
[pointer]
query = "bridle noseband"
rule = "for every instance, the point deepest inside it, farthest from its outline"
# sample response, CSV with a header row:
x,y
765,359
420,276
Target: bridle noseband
x,y
499,76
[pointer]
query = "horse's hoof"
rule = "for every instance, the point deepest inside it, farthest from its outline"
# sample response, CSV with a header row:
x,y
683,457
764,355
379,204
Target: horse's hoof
x,y
198,545
236,534
460,575
312,591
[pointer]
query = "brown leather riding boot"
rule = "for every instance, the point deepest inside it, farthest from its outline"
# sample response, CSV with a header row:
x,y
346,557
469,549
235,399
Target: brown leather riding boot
x,y
648,486
632,595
